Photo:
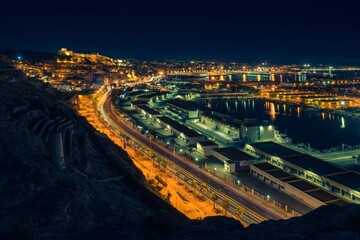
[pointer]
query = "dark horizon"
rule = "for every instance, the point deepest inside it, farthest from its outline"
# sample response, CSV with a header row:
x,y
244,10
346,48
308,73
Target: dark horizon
x,y
20,52
280,33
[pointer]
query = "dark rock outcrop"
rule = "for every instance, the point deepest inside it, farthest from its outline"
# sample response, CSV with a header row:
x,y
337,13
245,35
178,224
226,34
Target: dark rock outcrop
x,y
99,187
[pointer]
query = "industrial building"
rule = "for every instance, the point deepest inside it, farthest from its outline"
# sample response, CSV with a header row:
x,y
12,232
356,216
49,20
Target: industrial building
x,y
253,130
339,181
185,109
153,96
294,186
188,135
147,111
250,130
232,158
221,124
205,147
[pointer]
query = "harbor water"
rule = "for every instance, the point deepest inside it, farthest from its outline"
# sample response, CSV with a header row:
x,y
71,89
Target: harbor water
x,y
317,128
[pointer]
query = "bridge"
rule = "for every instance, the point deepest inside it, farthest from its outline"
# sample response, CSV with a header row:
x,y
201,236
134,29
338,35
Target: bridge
x,y
212,73
204,73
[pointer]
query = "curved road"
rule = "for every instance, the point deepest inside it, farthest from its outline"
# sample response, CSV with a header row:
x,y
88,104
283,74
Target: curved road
x,y
253,212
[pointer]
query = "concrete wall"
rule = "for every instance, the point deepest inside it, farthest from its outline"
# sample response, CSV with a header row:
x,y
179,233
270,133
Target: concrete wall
x,y
205,150
193,114
266,133
250,134
229,167
257,133
225,128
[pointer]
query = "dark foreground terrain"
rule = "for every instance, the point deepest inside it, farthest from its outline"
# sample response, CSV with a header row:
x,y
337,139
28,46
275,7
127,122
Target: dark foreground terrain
x,y
99,193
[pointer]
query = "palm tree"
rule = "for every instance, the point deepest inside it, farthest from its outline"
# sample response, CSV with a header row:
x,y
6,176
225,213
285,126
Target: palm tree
x,y
225,204
203,188
193,184
186,180
177,173
214,197
239,212
164,163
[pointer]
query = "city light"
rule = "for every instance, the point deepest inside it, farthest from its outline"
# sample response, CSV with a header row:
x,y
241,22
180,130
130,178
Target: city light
x,y
342,122
172,111
264,106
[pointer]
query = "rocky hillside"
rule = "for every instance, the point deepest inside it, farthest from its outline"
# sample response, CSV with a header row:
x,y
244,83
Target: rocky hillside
x,y
96,192
98,186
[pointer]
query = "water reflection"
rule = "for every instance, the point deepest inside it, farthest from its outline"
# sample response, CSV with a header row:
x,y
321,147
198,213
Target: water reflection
x,y
342,122
284,108
272,111
320,128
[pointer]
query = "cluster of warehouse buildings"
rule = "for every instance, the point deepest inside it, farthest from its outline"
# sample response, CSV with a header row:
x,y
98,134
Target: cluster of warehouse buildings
x,y
311,179
314,181
233,158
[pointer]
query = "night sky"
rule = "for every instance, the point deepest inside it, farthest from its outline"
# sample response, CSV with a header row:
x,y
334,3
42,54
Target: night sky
x,y
287,32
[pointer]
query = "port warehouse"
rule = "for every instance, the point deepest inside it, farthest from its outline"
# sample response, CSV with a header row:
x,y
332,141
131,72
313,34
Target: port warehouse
x,y
147,111
248,129
309,193
231,157
314,181
252,130
221,124
188,135
185,109
325,176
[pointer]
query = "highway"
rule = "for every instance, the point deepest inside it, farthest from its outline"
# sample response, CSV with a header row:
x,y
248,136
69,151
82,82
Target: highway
x,y
254,212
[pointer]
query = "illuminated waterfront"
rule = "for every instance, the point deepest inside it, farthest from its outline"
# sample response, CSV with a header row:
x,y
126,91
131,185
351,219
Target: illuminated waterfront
x,y
321,129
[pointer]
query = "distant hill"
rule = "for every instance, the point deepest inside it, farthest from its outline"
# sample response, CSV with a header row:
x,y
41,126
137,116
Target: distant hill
x,y
32,56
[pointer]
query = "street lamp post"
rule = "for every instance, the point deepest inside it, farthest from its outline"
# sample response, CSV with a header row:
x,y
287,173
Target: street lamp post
x,y
174,152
